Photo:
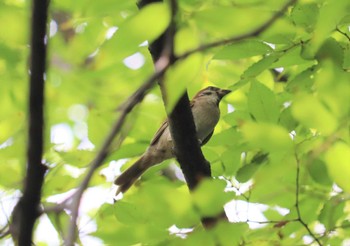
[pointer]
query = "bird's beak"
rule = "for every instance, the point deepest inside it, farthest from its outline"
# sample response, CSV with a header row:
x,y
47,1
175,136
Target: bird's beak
x,y
223,93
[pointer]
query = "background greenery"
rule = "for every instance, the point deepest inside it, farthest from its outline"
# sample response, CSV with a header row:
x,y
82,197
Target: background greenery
x,y
297,114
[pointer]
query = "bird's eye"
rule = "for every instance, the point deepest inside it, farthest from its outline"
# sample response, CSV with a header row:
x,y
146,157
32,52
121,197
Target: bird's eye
x,y
207,93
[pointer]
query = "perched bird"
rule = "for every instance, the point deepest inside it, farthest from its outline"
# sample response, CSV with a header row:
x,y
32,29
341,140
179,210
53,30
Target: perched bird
x,y
206,113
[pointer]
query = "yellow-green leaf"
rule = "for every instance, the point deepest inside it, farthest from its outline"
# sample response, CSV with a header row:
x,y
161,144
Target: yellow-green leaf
x,y
337,160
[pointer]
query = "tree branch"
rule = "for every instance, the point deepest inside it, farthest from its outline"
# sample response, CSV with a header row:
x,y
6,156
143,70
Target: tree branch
x,y
124,109
26,210
187,147
233,39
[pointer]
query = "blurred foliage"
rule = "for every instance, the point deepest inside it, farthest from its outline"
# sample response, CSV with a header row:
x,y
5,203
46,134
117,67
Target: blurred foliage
x,y
291,104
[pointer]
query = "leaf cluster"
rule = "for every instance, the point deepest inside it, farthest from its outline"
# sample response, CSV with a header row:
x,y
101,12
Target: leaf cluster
x,y
283,140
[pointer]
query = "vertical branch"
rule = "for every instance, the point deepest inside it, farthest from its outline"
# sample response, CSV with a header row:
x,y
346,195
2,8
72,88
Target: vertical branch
x,y
186,147
27,209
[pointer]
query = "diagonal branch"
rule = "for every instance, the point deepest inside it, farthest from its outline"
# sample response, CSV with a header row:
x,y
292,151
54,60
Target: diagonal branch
x,y
250,34
163,60
26,210
103,153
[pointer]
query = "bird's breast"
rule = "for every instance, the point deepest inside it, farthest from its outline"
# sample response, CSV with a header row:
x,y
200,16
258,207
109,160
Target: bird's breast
x,y
205,119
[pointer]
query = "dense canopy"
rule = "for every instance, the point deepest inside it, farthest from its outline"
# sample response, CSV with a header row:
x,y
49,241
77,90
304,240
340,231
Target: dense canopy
x,y
280,155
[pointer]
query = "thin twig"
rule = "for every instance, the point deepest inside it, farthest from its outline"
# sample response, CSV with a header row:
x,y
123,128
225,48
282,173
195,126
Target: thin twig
x,y
273,221
161,65
126,108
344,33
233,39
297,194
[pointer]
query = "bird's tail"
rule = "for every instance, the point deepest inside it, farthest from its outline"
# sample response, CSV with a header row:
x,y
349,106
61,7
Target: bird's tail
x,y
130,175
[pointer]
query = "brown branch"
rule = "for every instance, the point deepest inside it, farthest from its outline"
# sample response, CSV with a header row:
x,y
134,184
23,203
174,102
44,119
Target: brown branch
x,y
26,210
233,39
163,58
186,147
181,123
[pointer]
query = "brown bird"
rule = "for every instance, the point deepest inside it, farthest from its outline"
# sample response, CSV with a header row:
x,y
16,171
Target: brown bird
x,y
206,114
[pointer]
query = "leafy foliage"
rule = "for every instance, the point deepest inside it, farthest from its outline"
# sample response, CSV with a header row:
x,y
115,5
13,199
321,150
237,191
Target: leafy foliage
x,y
285,145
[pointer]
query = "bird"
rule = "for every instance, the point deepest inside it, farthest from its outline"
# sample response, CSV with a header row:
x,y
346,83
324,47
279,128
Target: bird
x,y
206,114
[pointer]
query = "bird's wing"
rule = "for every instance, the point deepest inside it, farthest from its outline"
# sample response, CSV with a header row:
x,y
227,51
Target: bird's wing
x,y
207,138
159,132
163,127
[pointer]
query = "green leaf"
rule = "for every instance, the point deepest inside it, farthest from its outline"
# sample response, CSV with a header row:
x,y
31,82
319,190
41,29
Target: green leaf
x,y
10,171
246,172
243,49
230,233
262,103
218,20
259,67
173,205
346,55
185,40
129,213
59,221
331,212
199,237
268,137
209,197
231,159
331,49
179,76
302,81
305,15
310,112
77,158
230,137
331,13
337,161
319,173
146,25
286,119
59,180
129,150
292,57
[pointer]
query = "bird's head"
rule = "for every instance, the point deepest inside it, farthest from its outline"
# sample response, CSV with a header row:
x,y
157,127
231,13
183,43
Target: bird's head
x,y
211,94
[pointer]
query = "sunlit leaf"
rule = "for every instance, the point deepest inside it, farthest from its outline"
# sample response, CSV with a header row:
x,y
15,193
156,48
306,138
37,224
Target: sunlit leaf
x,y
337,161
331,212
181,74
210,197
319,173
267,136
309,111
230,233
262,103
243,49
219,20
146,25
329,16
305,15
